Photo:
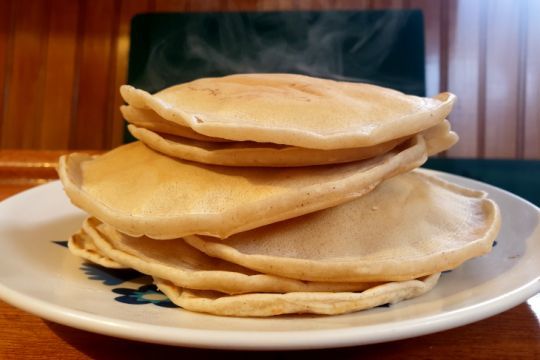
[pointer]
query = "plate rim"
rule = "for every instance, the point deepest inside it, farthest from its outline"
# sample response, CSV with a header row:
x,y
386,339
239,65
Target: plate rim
x,y
273,340
269,340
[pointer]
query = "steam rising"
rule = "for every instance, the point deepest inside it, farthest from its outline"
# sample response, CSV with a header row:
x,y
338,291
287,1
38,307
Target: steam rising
x,y
352,46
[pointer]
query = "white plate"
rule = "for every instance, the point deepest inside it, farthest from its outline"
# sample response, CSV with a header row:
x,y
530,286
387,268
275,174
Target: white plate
x,y
41,277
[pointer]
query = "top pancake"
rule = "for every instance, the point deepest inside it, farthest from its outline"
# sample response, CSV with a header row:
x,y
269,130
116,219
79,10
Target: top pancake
x,y
293,110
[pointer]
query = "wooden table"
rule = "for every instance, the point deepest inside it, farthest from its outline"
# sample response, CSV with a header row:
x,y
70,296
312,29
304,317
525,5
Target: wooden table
x,y
512,334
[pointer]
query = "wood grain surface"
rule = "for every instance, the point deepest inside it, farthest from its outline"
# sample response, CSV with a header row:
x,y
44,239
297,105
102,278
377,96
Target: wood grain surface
x,y
61,65
531,105
514,334
502,52
463,74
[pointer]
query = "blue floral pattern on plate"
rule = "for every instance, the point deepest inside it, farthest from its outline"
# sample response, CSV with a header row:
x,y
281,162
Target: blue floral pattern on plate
x,y
145,294
107,276
63,243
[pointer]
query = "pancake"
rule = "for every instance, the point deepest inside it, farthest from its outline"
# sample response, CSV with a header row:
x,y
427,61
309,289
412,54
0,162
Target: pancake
x,y
82,245
324,303
141,192
185,266
440,138
248,153
410,226
148,119
294,110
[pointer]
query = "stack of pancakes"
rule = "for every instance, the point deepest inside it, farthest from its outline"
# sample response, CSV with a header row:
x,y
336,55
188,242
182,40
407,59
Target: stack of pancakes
x,y
268,194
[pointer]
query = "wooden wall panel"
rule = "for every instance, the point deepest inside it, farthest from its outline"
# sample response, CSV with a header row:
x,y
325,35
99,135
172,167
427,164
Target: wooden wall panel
x,y
501,106
128,10
172,5
59,63
6,23
96,47
432,21
351,4
62,61
464,75
24,83
532,89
